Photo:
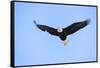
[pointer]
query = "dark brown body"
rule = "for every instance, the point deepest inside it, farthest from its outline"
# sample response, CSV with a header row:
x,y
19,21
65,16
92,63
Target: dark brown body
x,y
62,36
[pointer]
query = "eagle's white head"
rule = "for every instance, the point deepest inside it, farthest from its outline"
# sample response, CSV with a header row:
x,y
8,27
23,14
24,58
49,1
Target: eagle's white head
x,y
59,29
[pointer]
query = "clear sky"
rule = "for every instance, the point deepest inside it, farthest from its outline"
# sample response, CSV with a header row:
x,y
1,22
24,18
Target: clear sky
x,y
35,47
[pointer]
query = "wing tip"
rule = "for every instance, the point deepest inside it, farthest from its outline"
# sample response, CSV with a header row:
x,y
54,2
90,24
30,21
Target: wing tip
x,y
38,26
87,21
34,22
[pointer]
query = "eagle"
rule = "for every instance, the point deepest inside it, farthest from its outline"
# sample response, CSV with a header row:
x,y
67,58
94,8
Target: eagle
x,y
62,33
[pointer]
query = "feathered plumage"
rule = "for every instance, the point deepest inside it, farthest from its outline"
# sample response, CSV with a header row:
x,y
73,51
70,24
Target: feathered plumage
x,y
66,31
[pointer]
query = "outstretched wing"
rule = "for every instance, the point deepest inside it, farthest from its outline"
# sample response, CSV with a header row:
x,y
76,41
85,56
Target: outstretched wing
x,y
51,30
75,27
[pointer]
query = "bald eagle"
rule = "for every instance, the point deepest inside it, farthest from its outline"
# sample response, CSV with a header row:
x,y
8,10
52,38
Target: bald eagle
x,y
62,33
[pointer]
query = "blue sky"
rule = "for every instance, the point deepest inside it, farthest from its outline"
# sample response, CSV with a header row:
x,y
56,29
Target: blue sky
x,y
34,47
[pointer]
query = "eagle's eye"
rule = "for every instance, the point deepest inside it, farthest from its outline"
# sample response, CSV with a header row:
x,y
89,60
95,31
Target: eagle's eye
x,y
60,29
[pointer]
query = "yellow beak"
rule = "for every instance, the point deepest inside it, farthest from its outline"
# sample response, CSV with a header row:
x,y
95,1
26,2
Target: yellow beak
x,y
64,42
